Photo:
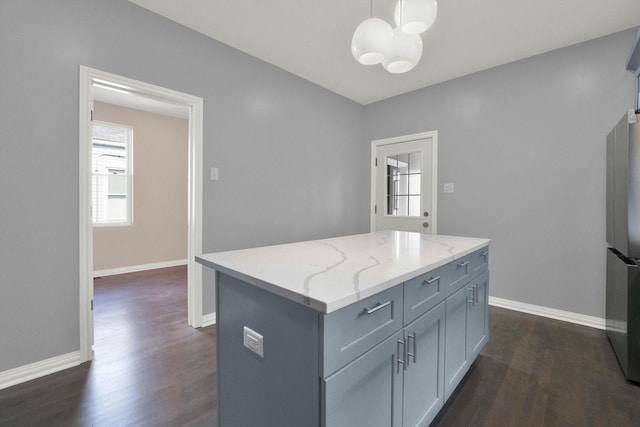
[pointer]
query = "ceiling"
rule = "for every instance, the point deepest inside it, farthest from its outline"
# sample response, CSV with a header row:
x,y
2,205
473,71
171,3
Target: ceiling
x,y
312,38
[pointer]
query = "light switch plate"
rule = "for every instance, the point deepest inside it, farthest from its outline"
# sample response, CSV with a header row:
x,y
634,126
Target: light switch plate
x,y
448,187
253,341
214,174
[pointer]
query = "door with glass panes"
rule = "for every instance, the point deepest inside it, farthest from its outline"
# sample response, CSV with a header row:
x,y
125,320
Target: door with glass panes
x,y
404,186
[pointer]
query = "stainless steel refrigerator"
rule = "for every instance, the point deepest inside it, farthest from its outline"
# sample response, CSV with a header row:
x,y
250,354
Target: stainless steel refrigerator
x,y
623,237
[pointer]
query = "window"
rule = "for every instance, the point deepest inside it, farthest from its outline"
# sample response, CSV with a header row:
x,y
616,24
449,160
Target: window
x,y
112,174
403,184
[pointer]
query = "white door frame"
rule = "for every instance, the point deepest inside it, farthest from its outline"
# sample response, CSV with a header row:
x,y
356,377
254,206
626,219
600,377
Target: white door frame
x,y
194,282
433,223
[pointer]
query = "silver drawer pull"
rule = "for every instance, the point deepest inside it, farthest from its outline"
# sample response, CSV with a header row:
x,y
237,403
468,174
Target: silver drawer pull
x,y
431,280
376,308
402,356
484,254
463,264
415,348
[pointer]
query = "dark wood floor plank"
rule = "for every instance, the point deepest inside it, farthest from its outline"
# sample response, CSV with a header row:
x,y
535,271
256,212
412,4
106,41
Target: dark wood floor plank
x,y
151,369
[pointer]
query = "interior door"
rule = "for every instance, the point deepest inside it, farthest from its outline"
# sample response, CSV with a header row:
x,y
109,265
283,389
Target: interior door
x,y
404,186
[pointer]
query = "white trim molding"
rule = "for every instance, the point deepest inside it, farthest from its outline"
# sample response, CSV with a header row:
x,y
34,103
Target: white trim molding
x,y
141,267
208,319
39,369
552,313
194,270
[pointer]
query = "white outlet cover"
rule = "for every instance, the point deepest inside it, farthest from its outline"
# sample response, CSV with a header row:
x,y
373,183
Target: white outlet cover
x,y
448,187
253,341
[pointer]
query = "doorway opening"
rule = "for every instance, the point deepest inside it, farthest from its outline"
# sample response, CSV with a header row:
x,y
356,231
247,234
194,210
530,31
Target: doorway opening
x,y
404,183
94,82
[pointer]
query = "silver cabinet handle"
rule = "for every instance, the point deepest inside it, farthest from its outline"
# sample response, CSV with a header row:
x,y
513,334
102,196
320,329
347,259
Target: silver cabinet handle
x,y
415,352
377,307
431,280
401,356
471,296
484,254
463,264
475,291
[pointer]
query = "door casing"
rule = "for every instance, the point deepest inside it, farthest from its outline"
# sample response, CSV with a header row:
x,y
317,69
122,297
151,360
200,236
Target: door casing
x,y
433,223
194,281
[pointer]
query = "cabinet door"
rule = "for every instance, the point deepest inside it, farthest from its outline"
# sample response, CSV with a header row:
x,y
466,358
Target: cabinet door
x,y
423,379
478,316
455,358
368,391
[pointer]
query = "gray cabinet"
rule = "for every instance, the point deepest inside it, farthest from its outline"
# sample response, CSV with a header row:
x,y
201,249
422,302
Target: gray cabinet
x,y
479,262
355,329
391,359
456,362
467,329
397,383
368,391
477,316
423,379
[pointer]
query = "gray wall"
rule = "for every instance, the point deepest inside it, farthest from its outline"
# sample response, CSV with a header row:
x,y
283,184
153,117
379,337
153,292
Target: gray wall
x,y
524,144
292,156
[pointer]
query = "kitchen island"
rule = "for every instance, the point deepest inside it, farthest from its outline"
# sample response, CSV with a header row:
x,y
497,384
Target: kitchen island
x,y
347,331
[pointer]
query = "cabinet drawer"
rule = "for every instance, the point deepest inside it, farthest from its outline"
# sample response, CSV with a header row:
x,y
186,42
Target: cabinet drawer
x,y
351,331
457,273
479,261
424,292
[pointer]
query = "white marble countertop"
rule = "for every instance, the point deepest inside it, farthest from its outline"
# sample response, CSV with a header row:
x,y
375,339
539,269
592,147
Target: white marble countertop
x,y
329,274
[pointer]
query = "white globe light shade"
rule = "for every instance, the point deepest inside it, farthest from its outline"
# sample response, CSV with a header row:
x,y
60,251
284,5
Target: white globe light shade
x,y
405,52
417,15
371,41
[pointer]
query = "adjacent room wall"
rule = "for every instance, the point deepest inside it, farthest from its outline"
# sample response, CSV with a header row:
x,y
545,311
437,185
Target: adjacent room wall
x,y
292,156
160,194
524,144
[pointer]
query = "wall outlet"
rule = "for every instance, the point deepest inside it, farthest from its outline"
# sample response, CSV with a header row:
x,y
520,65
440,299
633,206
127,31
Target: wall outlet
x,y
448,187
253,341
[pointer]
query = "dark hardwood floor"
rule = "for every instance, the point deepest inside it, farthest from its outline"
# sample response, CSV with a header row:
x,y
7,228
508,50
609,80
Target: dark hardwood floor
x,y
541,372
151,369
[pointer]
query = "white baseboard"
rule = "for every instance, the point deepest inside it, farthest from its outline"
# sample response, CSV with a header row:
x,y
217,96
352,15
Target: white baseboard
x,y
136,268
38,369
552,313
208,319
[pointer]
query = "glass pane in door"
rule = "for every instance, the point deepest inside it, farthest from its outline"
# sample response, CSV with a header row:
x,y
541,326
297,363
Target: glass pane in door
x,y
403,184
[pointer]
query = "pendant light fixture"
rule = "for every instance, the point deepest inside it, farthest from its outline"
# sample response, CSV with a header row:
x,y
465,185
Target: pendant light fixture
x,y
415,16
400,49
371,40
405,52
